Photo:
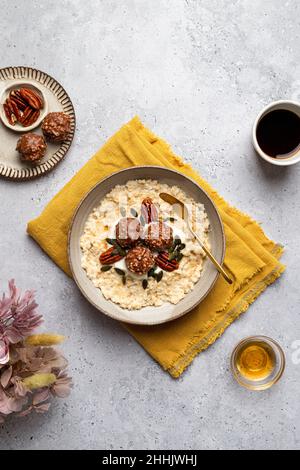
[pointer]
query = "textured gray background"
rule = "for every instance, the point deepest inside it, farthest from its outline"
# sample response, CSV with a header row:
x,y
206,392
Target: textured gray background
x,y
197,72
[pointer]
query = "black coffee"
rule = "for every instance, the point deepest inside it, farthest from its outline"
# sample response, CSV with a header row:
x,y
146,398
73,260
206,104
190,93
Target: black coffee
x,y
278,133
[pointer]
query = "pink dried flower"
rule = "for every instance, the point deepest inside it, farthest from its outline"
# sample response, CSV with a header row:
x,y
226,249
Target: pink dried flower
x,y
18,318
26,364
61,388
25,368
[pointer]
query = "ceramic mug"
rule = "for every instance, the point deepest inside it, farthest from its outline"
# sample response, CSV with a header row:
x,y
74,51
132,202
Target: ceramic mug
x,y
282,104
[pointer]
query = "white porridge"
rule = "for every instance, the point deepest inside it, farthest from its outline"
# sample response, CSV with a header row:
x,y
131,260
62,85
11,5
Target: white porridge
x,y
115,280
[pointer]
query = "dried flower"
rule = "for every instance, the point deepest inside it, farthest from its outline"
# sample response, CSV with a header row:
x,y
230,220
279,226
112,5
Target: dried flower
x,y
18,318
30,369
39,381
44,339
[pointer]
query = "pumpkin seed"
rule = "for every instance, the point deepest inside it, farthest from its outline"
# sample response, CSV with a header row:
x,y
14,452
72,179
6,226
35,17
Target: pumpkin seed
x,y
145,283
120,271
133,212
173,255
123,211
151,272
111,241
120,250
179,257
105,268
159,276
124,280
142,221
181,246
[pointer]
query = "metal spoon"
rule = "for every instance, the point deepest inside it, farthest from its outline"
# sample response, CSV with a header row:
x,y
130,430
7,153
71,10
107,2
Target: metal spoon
x,y
182,211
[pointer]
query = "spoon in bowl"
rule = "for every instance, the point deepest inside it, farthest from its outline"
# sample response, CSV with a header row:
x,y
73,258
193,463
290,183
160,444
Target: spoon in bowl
x,y
182,211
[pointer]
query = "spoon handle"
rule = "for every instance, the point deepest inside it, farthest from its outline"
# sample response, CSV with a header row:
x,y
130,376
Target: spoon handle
x,y
213,259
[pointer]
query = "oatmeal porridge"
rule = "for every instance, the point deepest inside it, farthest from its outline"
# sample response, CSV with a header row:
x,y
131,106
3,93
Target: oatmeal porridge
x,y
138,251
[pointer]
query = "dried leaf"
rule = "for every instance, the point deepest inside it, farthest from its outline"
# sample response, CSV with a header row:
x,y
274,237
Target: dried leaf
x,y
25,412
41,396
4,352
42,408
5,376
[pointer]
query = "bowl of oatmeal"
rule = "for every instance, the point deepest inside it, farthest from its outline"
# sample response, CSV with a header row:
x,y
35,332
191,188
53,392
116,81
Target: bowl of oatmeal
x,y
133,257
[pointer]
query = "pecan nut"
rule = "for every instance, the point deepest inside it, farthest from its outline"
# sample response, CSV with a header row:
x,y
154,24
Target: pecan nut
x,y
13,106
110,256
26,114
163,261
149,210
32,117
16,98
32,98
9,115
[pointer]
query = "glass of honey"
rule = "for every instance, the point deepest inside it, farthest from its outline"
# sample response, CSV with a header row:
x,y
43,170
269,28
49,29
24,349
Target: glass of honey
x,y
257,362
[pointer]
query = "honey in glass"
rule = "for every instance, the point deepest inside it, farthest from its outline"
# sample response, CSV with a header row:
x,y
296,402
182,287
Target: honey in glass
x,y
255,360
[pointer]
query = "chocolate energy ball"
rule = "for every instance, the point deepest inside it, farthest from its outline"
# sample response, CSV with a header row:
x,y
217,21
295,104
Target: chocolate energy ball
x,y
32,148
56,127
128,231
159,236
139,260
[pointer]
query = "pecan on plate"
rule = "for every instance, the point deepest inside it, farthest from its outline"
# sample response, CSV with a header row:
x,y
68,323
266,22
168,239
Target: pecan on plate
x,y
110,256
149,210
9,114
16,97
33,99
162,260
31,118
14,108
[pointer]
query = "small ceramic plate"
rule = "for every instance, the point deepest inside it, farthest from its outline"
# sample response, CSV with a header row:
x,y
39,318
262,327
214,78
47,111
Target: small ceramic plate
x,y
56,99
146,315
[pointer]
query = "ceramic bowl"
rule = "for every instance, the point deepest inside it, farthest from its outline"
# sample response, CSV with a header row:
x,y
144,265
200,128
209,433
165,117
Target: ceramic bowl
x,y
146,315
16,85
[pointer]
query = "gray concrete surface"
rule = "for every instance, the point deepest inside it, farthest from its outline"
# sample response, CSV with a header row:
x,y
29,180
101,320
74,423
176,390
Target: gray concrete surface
x,y
197,72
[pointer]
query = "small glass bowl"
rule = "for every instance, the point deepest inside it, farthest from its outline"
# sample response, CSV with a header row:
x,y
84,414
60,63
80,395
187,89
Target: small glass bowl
x,y
275,373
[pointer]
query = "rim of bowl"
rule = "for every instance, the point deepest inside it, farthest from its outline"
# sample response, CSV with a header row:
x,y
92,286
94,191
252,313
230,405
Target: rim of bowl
x,y
70,234
252,386
293,159
18,127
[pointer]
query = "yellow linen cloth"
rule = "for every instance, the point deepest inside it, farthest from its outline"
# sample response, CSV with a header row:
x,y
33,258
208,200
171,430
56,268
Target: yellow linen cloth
x,y
251,258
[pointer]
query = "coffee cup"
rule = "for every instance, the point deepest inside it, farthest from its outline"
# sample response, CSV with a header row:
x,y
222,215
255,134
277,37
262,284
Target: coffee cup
x,y
278,126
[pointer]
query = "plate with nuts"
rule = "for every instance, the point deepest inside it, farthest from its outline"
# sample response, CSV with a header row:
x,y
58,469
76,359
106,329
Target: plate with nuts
x,y
131,258
37,123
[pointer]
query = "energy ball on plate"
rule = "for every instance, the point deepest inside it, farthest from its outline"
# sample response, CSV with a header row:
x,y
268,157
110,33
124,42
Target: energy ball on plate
x,y
56,127
128,231
139,260
159,236
32,148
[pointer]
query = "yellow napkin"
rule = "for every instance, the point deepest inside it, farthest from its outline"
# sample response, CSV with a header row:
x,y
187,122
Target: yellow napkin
x,y
251,257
